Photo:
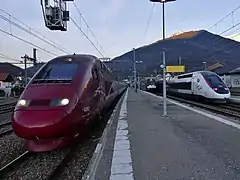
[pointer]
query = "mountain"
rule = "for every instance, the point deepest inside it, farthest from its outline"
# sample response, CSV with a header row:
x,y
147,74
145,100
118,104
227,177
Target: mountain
x,y
10,68
32,70
235,37
17,71
194,48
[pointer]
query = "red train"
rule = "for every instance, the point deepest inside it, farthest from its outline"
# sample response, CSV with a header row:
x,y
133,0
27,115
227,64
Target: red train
x,y
61,99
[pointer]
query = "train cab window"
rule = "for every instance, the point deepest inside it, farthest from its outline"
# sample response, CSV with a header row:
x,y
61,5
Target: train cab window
x,y
215,82
57,72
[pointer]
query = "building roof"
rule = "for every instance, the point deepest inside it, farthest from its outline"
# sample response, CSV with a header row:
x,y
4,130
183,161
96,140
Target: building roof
x,y
6,77
215,66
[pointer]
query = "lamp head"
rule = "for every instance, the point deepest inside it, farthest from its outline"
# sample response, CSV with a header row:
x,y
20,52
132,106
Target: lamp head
x,y
162,1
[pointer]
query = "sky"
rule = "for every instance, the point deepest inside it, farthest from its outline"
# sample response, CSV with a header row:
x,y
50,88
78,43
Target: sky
x,y
118,25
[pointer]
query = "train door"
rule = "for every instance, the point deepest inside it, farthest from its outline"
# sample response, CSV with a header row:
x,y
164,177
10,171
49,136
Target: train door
x,y
196,84
193,85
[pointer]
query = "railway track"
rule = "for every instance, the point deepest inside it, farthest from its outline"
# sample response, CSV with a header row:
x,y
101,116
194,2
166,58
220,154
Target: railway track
x,y
14,162
230,110
55,173
5,128
7,107
24,160
68,162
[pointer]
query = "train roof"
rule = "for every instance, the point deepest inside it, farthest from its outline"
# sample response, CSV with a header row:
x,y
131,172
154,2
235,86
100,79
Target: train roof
x,y
193,73
86,58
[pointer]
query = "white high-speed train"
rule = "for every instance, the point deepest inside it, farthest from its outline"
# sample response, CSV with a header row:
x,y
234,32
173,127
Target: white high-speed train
x,y
205,85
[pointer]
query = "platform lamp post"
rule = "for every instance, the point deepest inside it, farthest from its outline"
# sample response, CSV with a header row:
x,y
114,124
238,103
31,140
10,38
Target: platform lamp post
x,y
104,59
135,69
205,65
163,66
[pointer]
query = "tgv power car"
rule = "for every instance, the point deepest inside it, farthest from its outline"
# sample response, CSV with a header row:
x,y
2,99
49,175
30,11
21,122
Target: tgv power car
x,y
200,85
61,99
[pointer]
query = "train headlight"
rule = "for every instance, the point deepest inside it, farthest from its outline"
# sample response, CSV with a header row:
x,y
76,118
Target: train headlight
x,y
64,102
60,102
22,103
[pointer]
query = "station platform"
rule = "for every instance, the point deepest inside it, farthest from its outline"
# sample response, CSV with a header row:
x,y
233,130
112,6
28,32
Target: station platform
x,y
139,143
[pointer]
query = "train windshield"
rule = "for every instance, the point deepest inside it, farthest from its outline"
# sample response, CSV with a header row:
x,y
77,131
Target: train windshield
x,y
215,82
57,72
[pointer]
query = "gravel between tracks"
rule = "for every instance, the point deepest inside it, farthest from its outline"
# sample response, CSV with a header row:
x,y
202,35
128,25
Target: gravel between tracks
x,y
7,100
11,147
37,166
78,164
76,167
5,128
41,165
5,117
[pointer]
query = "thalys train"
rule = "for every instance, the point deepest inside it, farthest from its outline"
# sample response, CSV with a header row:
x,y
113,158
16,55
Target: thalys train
x,y
61,99
200,85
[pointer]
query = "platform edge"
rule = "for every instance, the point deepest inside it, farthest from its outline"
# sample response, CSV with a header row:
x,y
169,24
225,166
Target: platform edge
x,y
93,163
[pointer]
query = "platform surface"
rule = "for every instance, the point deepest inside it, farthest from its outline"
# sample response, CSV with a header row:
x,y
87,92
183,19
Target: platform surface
x,y
143,145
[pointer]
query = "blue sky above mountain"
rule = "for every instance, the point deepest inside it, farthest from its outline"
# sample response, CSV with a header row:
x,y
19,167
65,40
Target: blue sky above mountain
x,y
119,25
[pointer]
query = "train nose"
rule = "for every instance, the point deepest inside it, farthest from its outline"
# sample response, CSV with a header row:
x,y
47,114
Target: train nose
x,y
39,124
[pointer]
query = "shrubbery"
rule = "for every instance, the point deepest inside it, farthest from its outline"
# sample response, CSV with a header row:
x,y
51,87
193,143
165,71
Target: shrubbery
x,y
17,90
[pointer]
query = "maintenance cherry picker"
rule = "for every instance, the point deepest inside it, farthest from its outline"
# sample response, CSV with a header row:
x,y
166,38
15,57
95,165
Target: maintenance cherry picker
x,y
55,14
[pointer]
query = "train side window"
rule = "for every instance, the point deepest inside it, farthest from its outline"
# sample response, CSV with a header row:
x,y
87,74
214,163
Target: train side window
x,y
101,64
96,75
185,76
111,90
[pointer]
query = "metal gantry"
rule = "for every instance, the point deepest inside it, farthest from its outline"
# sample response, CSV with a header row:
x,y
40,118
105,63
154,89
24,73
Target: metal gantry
x,y
55,14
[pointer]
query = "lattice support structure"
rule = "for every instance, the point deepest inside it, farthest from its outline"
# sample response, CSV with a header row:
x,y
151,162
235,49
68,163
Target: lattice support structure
x,y
55,14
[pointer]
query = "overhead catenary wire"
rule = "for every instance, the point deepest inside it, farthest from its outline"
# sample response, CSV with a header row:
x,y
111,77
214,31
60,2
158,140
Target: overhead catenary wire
x,y
81,16
215,42
238,7
232,27
23,40
32,31
89,27
225,48
74,22
149,19
223,32
4,56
